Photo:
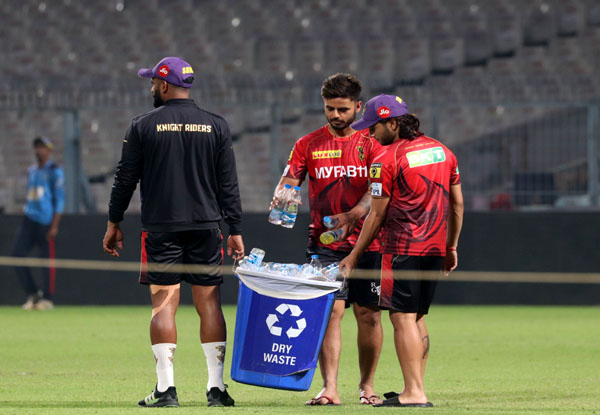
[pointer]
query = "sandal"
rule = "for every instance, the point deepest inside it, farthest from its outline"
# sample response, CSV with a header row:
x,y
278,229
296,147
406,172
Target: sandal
x,y
368,400
316,401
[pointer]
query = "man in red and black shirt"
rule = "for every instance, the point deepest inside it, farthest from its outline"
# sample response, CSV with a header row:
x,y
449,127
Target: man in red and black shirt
x,y
336,158
417,197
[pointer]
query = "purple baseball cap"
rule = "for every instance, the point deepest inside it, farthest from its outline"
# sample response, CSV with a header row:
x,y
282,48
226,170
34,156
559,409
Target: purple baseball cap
x,y
379,108
172,69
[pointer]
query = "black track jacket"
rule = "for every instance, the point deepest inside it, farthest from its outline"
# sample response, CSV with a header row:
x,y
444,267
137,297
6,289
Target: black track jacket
x,y
183,157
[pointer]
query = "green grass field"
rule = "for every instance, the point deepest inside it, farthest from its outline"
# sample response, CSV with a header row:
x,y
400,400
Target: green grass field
x,y
484,360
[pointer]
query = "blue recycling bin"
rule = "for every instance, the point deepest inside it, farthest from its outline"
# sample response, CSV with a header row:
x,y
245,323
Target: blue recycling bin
x,y
279,329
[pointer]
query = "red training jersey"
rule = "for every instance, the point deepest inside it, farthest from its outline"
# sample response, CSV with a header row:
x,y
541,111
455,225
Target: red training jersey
x,y
416,175
338,178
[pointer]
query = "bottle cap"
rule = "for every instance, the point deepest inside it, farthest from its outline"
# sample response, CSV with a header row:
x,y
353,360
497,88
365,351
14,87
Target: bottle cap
x,y
314,256
326,219
296,187
287,186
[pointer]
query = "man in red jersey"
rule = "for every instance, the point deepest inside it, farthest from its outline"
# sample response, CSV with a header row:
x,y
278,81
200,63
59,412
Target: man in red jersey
x,y
336,159
417,197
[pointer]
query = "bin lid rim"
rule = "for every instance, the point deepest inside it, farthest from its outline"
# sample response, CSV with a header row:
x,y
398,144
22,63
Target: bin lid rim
x,y
314,283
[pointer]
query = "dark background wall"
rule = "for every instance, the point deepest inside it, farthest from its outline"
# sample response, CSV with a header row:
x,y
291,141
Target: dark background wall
x,y
507,241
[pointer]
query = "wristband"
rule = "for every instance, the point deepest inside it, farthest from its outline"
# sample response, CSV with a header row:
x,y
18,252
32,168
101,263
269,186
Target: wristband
x,y
450,248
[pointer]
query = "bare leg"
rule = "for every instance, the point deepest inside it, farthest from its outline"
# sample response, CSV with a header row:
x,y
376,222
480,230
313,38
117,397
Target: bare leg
x,y
409,349
370,339
329,358
208,305
424,334
165,300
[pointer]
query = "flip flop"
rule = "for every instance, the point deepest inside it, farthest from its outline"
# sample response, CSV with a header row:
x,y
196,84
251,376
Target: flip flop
x,y
389,395
395,402
317,399
367,400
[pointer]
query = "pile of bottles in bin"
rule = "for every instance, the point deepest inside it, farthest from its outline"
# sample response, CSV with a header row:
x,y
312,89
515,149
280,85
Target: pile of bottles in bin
x,y
312,271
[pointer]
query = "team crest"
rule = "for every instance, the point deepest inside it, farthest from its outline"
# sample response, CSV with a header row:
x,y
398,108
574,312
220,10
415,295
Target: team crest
x,y
361,152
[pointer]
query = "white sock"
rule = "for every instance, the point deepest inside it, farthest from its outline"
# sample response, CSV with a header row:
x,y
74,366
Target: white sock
x,y
215,357
164,354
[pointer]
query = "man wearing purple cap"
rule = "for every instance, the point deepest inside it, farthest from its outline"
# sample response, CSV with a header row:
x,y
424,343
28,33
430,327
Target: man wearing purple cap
x,y
183,158
417,197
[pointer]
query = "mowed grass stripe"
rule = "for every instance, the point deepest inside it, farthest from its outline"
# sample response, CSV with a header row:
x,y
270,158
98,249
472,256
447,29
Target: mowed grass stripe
x,y
89,360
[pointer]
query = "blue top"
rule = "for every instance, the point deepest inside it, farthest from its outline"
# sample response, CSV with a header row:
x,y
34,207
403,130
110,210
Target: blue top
x,y
45,192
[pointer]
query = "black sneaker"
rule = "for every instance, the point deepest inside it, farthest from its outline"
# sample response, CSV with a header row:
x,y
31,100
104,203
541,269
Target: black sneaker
x,y
217,398
160,399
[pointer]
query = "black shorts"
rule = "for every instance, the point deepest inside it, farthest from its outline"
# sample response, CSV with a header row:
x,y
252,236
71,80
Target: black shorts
x,y
364,292
195,247
408,296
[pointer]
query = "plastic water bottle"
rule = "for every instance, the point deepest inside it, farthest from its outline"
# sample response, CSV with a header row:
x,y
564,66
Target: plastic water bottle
x,y
330,237
255,258
244,263
291,209
282,195
332,271
330,222
316,264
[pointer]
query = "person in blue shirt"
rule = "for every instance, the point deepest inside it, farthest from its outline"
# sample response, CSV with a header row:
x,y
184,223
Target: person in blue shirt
x,y
39,228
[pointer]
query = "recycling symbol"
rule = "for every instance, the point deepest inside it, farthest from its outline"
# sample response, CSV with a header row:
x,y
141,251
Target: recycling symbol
x,y
292,331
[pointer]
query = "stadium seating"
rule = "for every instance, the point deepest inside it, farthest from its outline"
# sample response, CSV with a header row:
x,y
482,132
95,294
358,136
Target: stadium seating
x,y
501,61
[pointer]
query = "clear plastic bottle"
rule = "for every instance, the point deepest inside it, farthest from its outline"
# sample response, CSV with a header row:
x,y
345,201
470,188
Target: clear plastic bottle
x,y
330,222
255,258
316,264
288,219
332,271
330,237
281,194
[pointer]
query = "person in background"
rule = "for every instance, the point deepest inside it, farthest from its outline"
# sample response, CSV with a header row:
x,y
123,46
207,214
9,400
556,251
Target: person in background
x,y
39,228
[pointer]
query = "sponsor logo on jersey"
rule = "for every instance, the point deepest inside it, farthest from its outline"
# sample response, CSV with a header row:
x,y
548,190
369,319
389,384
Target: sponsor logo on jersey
x,y
383,112
326,172
326,154
361,152
291,153
425,157
376,189
163,71
186,70
375,171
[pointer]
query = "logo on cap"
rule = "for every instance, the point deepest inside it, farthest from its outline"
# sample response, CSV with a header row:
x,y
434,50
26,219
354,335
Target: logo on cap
x,y
383,112
163,71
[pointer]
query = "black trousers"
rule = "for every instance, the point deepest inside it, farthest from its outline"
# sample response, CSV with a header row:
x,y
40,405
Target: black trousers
x,y
30,235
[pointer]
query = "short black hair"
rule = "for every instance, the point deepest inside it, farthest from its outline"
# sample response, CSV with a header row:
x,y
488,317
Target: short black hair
x,y
341,85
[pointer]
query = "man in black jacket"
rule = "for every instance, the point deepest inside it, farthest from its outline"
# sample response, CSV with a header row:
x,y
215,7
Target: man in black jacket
x,y
183,158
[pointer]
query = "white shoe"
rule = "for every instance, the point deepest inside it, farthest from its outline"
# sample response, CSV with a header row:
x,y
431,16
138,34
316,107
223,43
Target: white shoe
x,y
43,304
31,302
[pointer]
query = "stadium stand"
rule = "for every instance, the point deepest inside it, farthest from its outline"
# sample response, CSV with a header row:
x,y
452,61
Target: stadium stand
x,y
475,71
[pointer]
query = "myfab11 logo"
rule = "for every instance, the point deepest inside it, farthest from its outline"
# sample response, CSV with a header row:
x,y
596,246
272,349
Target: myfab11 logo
x,y
425,157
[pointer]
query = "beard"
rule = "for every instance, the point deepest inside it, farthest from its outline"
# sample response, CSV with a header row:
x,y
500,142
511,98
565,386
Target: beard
x,y
158,102
340,125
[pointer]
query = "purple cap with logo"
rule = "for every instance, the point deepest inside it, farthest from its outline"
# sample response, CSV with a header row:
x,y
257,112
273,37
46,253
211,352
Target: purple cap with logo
x,y
379,108
172,69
